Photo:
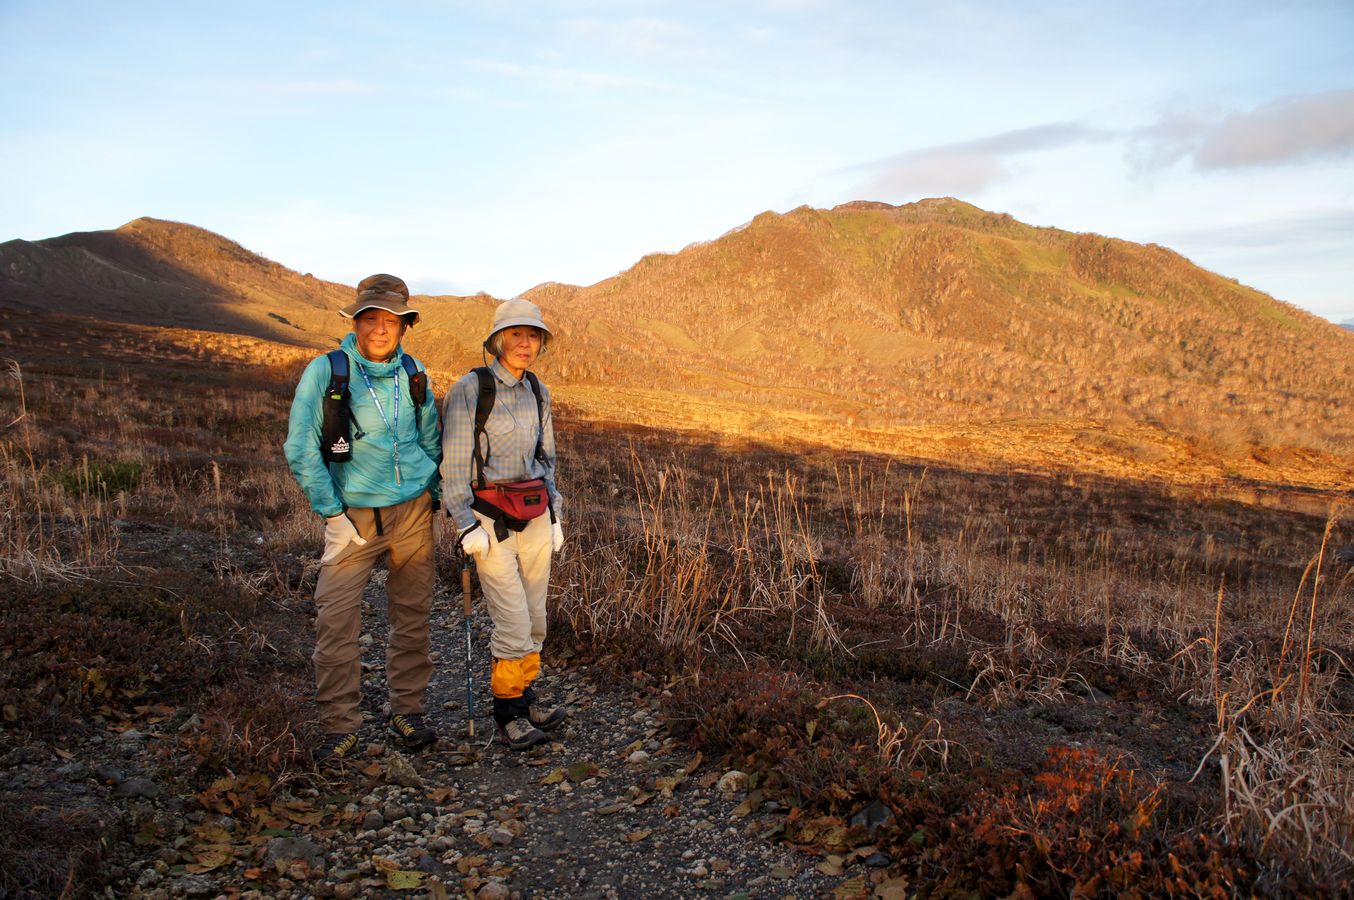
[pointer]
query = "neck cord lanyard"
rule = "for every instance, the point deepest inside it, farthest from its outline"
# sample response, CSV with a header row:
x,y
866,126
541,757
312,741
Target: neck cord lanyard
x,y
394,431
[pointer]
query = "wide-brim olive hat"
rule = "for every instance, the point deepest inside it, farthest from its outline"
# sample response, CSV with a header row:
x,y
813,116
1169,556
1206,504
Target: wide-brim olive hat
x,y
381,292
518,311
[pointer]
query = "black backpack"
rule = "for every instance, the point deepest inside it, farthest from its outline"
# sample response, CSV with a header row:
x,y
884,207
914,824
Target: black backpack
x,y
484,405
336,439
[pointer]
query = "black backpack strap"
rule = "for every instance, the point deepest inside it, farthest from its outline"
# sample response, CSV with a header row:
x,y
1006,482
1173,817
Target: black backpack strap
x,y
418,387
484,404
540,432
338,370
540,415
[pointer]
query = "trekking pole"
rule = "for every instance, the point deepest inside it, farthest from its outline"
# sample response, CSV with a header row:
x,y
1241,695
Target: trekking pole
x,y
469,677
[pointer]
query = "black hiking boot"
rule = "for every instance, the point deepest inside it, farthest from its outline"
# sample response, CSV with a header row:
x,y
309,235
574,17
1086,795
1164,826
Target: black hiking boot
x,y
410,731
335,748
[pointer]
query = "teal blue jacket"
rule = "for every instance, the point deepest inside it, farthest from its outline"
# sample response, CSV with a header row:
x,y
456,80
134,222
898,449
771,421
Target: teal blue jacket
x,y
369,478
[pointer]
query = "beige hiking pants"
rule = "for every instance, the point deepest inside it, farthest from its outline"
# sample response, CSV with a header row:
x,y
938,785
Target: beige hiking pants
x,y
407,536
514,575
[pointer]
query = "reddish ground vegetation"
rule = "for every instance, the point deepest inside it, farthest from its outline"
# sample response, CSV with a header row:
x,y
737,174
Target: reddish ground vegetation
x,y
1025,669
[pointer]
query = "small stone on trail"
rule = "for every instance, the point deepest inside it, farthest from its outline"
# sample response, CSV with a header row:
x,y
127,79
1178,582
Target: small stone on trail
x,y
638,758
373,821
109,774
287,849
194,886
402,772
873,816
138,787
493,891
732,782
73,771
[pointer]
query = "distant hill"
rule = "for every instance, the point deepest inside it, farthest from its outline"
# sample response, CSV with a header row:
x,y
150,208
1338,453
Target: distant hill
x,y
154,272
940,312
865,318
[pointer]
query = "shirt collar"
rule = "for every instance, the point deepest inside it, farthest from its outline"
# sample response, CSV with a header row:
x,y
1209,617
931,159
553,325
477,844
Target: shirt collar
x,y
503,374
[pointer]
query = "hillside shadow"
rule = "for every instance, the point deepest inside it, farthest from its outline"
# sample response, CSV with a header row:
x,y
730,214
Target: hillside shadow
x,y
1267,532
113,277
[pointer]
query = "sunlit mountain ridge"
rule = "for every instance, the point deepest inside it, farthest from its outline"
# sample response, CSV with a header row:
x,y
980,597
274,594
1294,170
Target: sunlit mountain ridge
x,y
864,320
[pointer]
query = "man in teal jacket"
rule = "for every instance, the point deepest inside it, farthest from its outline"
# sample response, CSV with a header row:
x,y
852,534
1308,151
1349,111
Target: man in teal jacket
x,y
376,485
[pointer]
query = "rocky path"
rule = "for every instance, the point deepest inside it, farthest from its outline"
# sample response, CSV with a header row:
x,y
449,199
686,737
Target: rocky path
x,y
611,808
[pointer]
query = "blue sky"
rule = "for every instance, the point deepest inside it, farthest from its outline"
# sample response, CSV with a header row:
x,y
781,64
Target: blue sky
x,y
494,145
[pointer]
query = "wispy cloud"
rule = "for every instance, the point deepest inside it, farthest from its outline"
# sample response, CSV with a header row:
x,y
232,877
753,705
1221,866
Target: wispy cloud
x,y
560,78
1295,128
644,38
1292,129
573,80
965,168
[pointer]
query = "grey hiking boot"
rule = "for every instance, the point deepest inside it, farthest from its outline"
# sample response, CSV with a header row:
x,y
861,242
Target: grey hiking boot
x,y
410,731
547,719
520,734
335,748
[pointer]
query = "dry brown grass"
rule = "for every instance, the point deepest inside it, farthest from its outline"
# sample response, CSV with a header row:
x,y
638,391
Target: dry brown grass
x,y
969,609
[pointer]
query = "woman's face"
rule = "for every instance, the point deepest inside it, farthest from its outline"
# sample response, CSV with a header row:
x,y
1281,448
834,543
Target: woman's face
x,y
378,333
521,346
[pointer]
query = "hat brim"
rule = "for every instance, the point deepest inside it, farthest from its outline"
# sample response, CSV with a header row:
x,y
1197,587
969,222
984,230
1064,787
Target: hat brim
x,y
520,320
389,304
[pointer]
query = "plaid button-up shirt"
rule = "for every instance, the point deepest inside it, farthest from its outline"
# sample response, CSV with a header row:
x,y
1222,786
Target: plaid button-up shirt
x,y
509,441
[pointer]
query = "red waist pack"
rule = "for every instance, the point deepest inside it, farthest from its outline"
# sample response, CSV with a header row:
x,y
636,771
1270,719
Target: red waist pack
x,y
522,500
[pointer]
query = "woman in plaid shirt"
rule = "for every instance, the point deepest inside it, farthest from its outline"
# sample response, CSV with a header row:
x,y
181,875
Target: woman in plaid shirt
x,y
497,487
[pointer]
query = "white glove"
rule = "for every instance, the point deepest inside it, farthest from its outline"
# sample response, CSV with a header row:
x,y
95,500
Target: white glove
x,y
556,536
339,532
475,541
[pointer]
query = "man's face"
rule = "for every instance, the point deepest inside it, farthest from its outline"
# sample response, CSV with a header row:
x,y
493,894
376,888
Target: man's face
x,y
378,333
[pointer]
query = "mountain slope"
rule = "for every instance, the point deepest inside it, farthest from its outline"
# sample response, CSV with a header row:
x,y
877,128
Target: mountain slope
x,y
855,321
937,312
154,272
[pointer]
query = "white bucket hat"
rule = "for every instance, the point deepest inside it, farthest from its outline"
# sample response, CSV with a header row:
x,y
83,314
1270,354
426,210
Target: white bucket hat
x,y
518,311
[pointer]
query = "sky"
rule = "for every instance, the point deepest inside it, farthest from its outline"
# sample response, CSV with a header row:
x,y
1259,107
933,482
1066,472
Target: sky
x,y
491,145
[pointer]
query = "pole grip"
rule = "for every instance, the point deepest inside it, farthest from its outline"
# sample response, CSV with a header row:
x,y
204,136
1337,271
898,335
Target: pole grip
x,y
465,587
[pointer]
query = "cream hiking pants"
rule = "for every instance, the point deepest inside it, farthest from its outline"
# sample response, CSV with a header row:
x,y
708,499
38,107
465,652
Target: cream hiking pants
x,y
514,575
405,532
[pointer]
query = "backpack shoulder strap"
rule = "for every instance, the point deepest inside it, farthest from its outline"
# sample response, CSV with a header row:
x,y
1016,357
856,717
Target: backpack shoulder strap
x,y
484,404
418,379
540,414
418,388
338,369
